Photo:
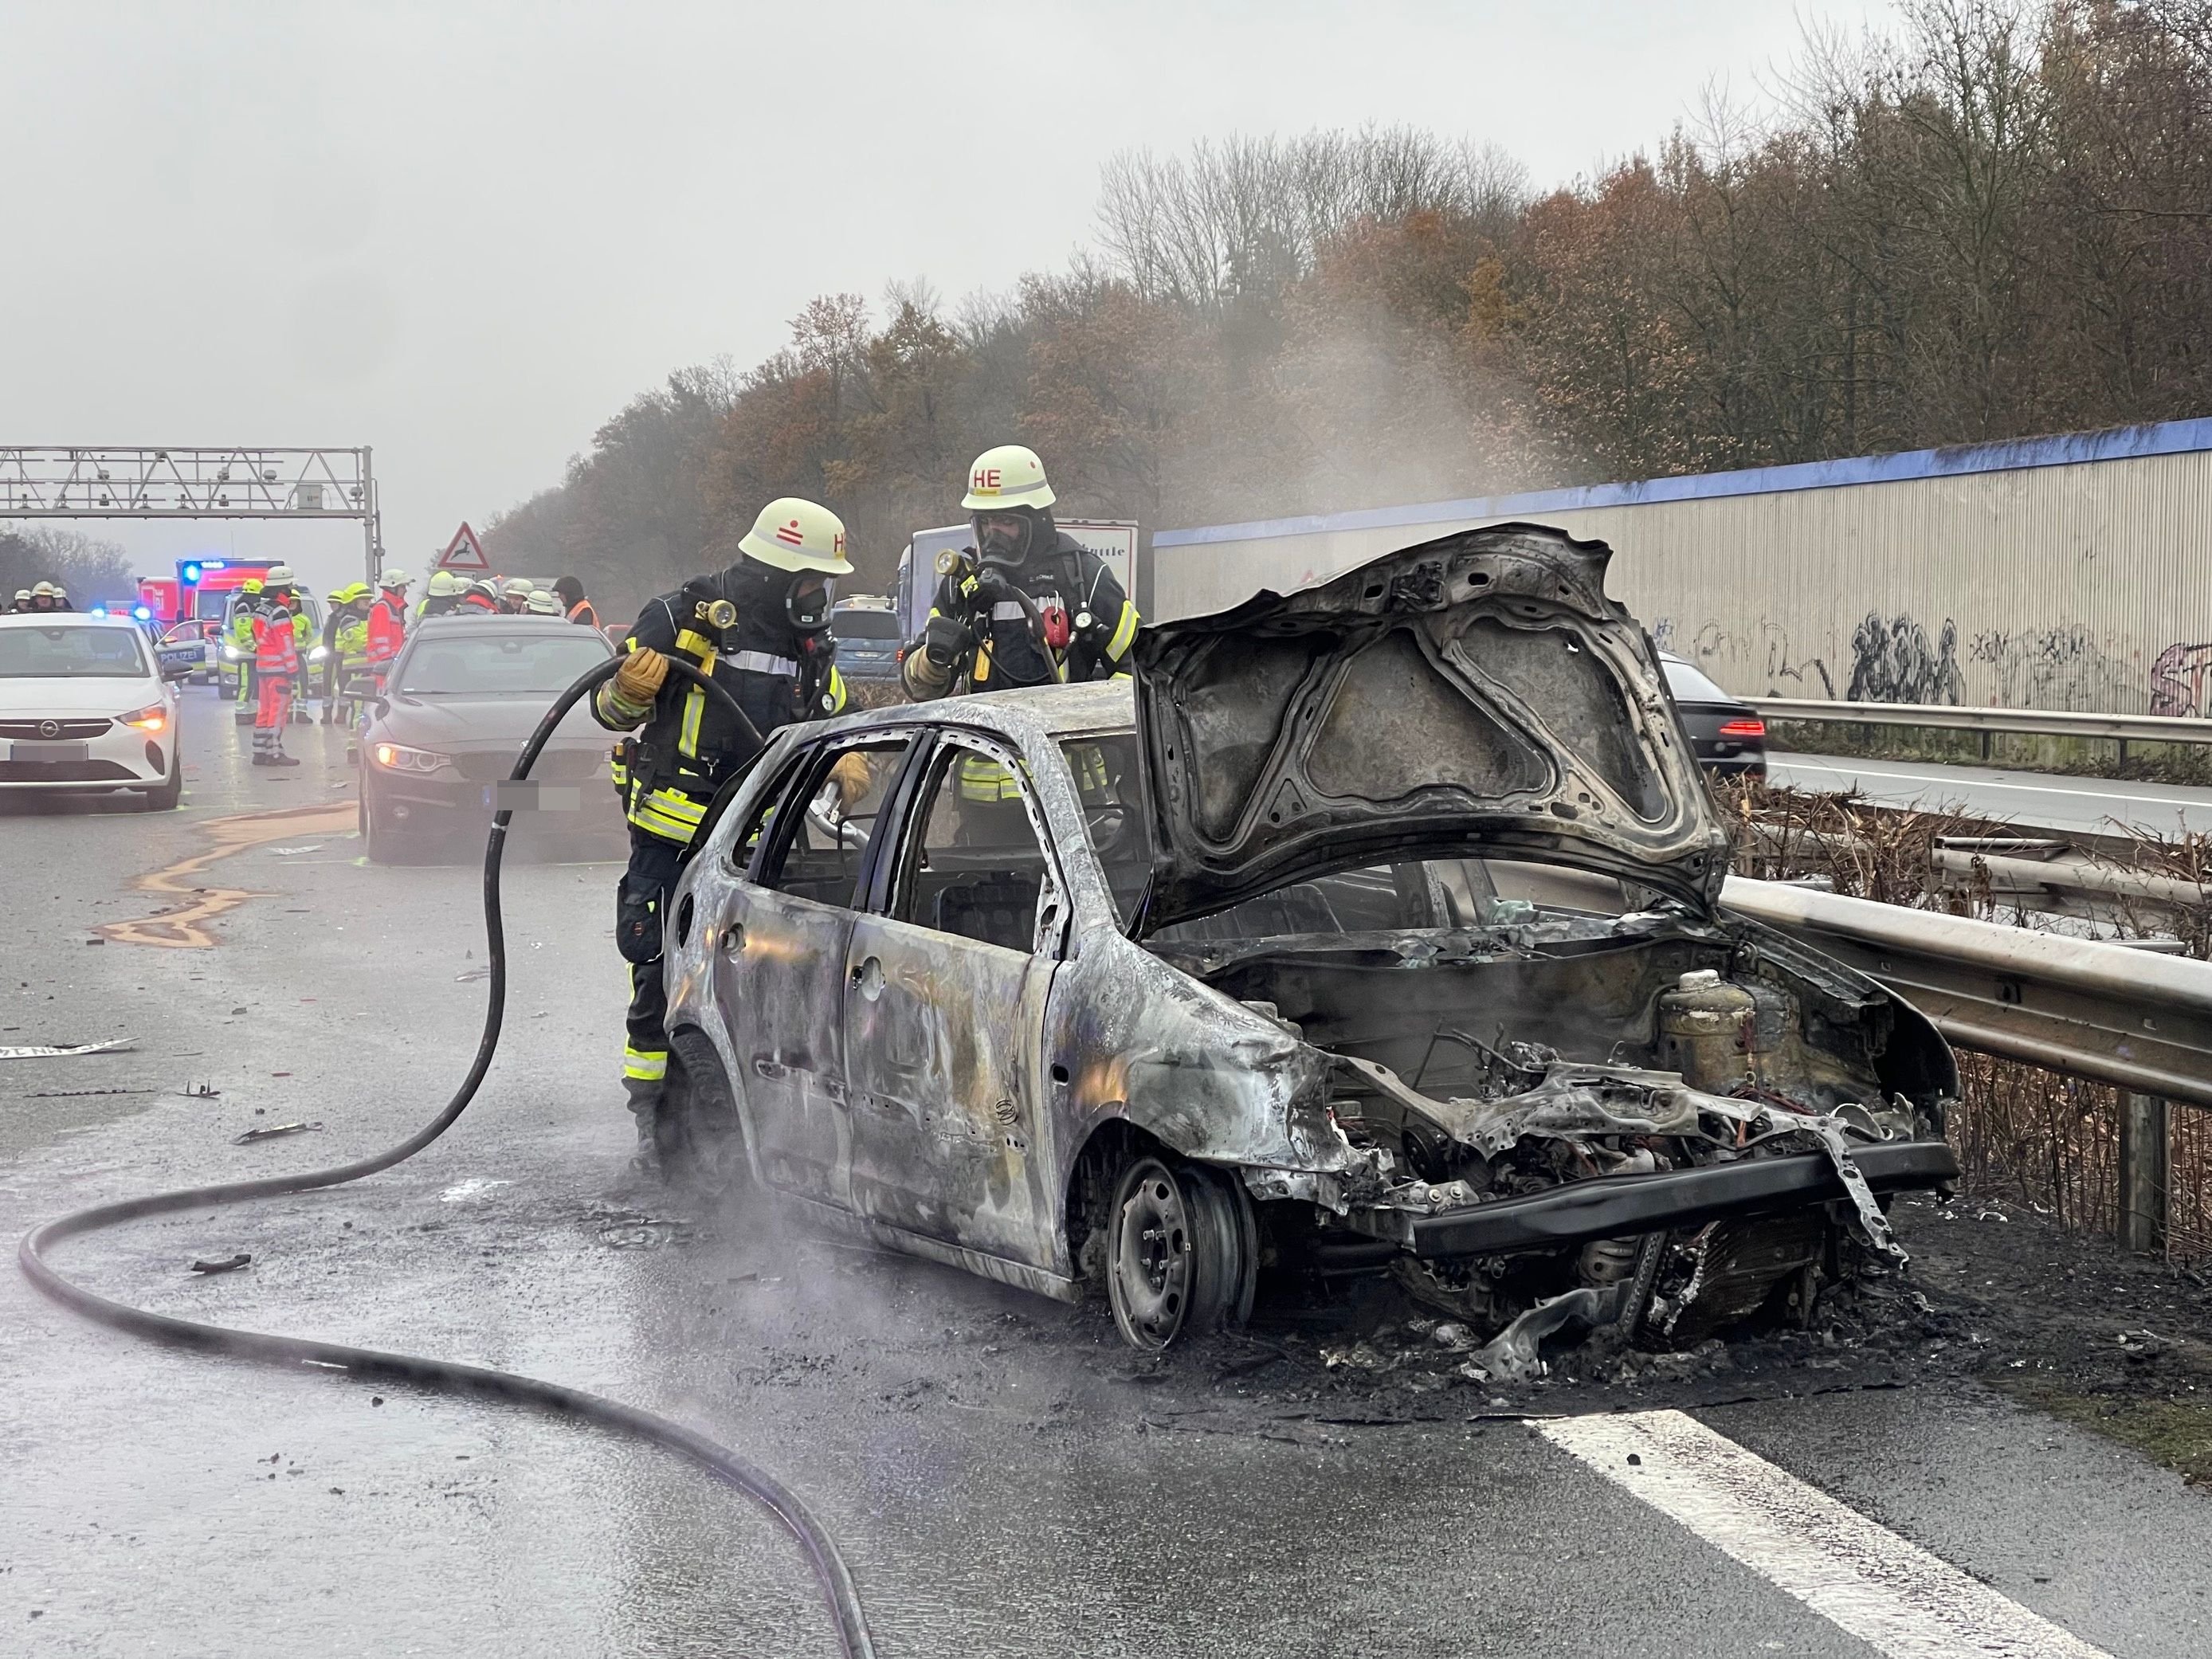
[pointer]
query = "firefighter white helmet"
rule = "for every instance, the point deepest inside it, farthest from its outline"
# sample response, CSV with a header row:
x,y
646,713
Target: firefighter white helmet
x,y
542,603
280,576
1009,475
797,535
395,579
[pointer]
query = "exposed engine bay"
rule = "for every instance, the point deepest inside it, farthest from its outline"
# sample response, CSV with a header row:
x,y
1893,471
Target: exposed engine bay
x,y
1500,1048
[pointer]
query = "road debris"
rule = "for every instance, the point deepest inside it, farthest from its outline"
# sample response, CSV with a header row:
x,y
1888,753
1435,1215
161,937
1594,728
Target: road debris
x,y
273,1131
231,1265
200,1091
474,1187
113,1046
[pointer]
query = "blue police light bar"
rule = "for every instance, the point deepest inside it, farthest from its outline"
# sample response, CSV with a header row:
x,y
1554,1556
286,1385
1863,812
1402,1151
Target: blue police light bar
x,y
97,611
144,613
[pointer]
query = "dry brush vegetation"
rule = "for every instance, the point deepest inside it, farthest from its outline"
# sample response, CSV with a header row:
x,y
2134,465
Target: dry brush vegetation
x,y
2024,1134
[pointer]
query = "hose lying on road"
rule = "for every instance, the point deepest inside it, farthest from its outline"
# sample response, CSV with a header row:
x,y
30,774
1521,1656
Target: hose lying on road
x,y
441,1375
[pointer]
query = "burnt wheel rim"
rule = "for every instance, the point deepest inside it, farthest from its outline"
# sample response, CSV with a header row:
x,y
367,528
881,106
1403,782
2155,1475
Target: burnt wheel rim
x,y
1152,1255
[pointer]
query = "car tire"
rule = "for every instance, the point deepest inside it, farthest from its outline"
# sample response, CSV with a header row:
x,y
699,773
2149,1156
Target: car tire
x,y
379,840
697,1131
164,797
1182,1252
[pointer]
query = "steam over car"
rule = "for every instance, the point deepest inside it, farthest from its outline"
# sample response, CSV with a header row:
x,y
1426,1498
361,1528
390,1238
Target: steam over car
x,y
1374,929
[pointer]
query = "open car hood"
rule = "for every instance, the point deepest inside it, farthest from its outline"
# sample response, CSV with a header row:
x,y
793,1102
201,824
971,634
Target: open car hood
x,y
1476,695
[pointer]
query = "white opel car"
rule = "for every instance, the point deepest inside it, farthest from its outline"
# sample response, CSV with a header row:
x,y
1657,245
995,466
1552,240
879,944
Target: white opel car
x,y
84,705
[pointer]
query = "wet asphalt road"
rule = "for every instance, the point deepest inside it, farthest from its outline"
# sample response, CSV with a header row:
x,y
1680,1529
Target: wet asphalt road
x,y
1003,1478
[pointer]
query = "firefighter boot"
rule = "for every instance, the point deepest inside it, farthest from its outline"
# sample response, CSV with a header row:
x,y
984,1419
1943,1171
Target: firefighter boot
x,y
645,1105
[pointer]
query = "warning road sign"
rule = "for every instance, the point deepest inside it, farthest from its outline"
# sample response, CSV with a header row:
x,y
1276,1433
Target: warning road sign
x,y
464,552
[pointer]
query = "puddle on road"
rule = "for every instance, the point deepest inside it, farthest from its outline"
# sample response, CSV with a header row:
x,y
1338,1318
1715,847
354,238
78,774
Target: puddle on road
x,y
184,926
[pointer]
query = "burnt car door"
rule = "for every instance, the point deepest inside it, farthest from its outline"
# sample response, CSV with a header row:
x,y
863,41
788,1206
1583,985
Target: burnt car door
x,y
946,985
779,976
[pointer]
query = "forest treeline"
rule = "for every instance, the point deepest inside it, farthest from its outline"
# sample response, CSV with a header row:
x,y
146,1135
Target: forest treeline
x,y
1994,221
90,568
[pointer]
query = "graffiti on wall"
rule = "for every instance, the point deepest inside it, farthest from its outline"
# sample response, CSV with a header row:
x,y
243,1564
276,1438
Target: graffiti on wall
x,y
1893,661
2060,668
2178,679
1765,661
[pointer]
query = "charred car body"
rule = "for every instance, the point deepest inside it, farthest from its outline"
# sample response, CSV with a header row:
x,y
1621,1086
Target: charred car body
x,y
1375,928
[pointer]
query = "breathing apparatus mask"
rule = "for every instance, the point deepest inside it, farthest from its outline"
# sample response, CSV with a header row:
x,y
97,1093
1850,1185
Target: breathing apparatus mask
x,y
805,597
1005,535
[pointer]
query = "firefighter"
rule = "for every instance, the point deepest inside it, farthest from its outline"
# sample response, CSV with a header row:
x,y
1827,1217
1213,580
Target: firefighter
x,y
46,597
542,602
761,628
276,665
1026,605
1077,625
238,642
442,598
478,599
387,623
573,605
515,594
23,602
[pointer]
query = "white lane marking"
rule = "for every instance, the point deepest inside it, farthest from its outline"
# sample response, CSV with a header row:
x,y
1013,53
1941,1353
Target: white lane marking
x,y
1891,1594
2064,788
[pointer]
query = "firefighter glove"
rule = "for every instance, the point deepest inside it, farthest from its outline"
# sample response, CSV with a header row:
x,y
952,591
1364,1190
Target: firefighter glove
x,y
638,681
850,776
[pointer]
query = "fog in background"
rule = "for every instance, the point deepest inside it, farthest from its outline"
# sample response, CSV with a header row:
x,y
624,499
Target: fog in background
x,y
466,233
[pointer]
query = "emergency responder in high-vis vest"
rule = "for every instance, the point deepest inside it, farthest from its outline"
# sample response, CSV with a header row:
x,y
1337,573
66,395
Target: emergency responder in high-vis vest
x,y
345,647
387,623
443,598
237,638
1026,605
569,590
276,666
761,630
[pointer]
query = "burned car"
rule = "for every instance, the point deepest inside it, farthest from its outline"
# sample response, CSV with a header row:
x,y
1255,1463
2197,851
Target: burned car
x,y
1375,928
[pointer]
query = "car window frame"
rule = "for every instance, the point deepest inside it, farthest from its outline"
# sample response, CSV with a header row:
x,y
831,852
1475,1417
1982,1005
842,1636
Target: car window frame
x,y
917,787
809,769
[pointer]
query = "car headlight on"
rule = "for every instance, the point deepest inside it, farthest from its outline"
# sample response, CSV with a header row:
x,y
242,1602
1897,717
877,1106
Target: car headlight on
x,y
154,717
232,654
399,757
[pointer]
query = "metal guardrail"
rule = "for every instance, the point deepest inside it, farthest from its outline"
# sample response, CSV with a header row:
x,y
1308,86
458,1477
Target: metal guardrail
x,y
2050,876
2031,722
2088,1009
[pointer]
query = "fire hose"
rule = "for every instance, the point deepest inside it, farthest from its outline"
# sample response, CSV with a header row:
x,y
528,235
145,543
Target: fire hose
x,y
442,1376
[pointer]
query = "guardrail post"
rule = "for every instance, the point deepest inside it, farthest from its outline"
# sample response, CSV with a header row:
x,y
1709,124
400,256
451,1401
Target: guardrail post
x,y
2143,1153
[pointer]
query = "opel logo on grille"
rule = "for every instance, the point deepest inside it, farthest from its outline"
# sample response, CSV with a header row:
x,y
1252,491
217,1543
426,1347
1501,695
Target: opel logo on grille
x,y
49,728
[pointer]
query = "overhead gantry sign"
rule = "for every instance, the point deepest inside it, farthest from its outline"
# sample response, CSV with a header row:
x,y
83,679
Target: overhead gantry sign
x,y
229,482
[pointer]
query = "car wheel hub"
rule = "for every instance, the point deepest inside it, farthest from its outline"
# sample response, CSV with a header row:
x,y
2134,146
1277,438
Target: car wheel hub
x,y
1152,1263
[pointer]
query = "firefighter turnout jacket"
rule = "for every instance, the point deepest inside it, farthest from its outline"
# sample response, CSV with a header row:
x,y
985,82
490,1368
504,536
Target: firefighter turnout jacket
x,y
387,629
1088,624
668,773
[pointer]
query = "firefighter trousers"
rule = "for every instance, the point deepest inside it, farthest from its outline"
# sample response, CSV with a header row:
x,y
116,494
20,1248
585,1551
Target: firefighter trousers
x,y
270,714
638,906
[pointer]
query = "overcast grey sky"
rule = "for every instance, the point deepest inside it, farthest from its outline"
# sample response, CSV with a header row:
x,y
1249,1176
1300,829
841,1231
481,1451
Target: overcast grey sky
x,y
465,233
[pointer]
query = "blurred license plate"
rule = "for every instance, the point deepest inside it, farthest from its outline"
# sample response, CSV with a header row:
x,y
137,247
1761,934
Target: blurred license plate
x,y
53,753
528,795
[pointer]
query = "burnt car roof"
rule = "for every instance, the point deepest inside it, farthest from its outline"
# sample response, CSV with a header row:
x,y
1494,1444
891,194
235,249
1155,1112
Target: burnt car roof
x,y
1477,695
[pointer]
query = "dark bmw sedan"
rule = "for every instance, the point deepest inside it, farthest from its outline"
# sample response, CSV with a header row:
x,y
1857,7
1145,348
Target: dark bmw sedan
x,y
463,697
1729,735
